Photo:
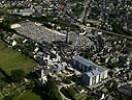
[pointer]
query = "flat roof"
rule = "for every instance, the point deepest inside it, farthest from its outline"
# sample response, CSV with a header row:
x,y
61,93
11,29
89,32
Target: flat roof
x,y
95,69
39,33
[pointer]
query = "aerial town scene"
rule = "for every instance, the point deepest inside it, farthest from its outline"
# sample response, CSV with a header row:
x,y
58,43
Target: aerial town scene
x,y
65,49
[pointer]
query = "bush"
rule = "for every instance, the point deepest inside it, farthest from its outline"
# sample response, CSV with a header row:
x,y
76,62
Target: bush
x,y
17,75
8,98
52,90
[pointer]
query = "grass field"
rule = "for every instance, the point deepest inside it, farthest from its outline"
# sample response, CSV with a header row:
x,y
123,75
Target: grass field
x,y
11,59
28,95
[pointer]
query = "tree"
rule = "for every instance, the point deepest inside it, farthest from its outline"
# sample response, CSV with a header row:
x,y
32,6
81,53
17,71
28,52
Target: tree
x,y
110,73
111,85
17,75
48,91
1,35
91,98
8,98
52,90
2,84
71,91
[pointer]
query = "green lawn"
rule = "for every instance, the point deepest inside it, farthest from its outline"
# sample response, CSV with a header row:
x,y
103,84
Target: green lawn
x,y
11,59
28,95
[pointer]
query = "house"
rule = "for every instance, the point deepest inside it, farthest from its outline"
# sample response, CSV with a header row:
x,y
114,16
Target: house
x,y
54,62
13,26
23,12
91,73
125,89
1,19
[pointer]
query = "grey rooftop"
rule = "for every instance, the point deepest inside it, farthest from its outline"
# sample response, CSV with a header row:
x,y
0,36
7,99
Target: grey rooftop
x,y
39,33
95,69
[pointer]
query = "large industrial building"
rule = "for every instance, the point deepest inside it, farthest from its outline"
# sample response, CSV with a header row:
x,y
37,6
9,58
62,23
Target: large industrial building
x,y
91,73
42,34
38,32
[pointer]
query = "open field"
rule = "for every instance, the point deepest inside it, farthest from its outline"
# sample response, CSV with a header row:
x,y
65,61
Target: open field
x,y
11,59
28,95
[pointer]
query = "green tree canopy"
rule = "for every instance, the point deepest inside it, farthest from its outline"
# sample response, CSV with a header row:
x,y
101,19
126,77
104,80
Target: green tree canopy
x,y
52,90
17,75
8,98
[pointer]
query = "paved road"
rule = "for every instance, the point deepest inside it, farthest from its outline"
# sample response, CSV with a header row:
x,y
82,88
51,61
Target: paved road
x,y
86,10
104,31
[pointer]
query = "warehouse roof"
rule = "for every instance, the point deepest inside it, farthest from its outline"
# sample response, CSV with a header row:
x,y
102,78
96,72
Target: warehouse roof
x,y
39,33
92,68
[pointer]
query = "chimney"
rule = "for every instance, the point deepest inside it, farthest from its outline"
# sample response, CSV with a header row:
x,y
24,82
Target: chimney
x,y
67,35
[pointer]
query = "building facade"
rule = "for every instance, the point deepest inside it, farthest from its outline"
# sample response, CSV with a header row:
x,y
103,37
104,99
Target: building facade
x,y
91,73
